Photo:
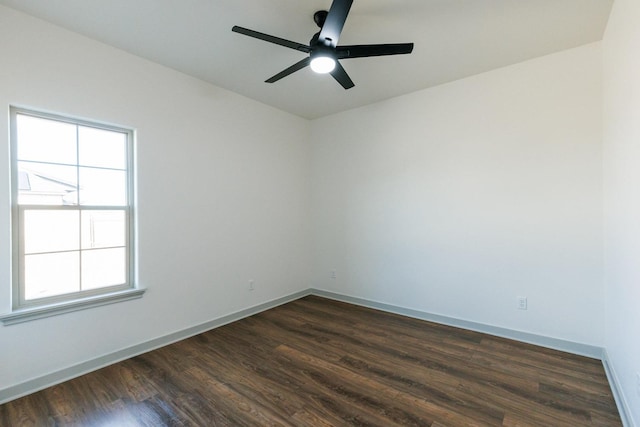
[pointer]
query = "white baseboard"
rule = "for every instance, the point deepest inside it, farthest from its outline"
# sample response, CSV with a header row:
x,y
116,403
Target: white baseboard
x,y
48,380
554,343
621,402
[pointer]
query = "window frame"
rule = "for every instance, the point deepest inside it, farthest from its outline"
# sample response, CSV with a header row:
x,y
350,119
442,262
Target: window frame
x,y
23,309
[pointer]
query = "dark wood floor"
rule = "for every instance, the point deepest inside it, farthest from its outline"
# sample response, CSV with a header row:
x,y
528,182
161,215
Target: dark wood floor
x,y
317,362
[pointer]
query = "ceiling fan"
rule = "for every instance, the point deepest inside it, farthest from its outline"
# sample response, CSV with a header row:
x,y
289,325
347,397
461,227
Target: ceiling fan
x,y
323,48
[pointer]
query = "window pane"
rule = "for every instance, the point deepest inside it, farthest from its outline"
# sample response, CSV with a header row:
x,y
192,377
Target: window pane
x,y
99,187
72,183
102,148
46,140
103,267
51,231
44,184
51,274
103,229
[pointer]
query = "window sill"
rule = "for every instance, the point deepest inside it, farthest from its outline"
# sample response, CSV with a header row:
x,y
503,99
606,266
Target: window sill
x,y
28,314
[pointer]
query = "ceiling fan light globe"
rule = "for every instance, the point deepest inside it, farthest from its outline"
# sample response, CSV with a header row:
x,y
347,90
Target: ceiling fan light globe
x,y
323,64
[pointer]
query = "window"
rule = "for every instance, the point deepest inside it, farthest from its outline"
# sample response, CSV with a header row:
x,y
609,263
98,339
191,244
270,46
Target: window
x,y
72,195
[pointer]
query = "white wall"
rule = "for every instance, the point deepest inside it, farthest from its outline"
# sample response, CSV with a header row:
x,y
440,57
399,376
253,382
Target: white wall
x,y
223,190
622,196
457,199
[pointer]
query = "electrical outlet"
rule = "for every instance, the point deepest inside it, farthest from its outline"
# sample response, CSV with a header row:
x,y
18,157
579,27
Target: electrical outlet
x,y
251,285
333,275
522,303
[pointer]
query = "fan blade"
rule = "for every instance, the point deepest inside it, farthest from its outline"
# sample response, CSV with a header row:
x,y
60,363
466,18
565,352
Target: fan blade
x,y
284,73
271,39
330,32
342,77
364,50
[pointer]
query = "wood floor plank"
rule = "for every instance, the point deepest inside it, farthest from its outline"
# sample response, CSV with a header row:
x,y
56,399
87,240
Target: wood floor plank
x,y
390,404
319,362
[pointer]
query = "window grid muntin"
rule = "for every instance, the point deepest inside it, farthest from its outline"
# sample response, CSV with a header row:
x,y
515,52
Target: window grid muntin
x,y
18,263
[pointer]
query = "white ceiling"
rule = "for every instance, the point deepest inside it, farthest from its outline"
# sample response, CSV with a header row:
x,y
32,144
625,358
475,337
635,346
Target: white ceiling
x,y
453,39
